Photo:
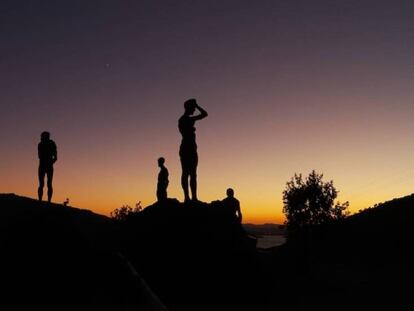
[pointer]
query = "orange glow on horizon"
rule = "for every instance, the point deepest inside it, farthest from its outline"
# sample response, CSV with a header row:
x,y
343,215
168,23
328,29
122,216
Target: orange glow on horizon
x,y
252,213
102,178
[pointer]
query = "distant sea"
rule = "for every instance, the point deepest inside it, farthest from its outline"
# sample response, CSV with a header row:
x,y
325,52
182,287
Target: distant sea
x,y
266,241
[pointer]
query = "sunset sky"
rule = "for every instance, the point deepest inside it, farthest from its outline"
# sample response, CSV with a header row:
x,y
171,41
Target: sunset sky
x,y
289,86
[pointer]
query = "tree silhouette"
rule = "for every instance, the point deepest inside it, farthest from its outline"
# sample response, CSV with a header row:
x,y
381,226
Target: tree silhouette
x,y
124,211
311,202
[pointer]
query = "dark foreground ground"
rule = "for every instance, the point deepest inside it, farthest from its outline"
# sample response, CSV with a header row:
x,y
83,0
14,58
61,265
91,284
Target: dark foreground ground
x,y
194,257
364,262
60,258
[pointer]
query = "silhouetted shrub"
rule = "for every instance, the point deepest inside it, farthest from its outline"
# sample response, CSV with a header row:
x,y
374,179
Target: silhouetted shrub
x,y
124,211
311,202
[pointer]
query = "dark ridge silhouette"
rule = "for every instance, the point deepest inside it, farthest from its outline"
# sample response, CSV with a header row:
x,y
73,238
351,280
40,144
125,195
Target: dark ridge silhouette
x,y
188,147
61,258
47,153
162,183
194,256
364,261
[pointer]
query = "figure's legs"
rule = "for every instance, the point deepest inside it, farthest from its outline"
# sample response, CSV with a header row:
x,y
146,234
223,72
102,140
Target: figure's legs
x,y
184,184
161,193
193,185
158,194
193,177
49,184
189,160
41,175
184,174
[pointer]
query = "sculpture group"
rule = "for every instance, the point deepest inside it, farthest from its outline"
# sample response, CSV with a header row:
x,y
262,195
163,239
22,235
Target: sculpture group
x,y
47,152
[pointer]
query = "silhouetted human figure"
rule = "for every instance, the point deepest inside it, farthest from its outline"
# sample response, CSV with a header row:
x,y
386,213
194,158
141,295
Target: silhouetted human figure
x,y
47,153
162,181
188,147
232,205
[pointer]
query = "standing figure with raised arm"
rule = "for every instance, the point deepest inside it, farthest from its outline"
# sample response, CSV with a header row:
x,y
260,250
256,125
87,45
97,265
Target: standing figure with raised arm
x,y
162,184
47,153
188,147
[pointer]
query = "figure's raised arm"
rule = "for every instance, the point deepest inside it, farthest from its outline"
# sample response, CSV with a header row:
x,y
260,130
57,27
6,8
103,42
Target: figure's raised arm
x,y
202,114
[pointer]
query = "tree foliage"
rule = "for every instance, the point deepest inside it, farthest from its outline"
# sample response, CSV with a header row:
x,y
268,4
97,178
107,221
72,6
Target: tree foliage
x,y
124,211
311,202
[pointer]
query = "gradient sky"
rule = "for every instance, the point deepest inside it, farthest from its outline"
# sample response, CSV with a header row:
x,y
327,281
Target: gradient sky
x,y
289,86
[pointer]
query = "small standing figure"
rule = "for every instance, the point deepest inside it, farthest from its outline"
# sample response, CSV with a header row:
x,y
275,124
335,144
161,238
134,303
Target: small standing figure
x,y
162,181
188,147
232,205
47,153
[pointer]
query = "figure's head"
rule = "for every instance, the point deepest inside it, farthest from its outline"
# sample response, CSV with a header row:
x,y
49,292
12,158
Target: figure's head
x,y
230,193
190,105
161,161
45,136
